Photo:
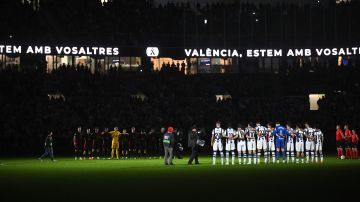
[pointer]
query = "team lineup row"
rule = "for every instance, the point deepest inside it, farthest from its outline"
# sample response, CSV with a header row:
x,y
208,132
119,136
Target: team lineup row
x,y
104,144
252,142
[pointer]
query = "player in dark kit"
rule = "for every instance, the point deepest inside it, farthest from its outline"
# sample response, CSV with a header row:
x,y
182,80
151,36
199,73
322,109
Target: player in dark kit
x,y
133,138
124,142
106,144
141,143
78,143
146,144
151,143
91,145
97,143
87,144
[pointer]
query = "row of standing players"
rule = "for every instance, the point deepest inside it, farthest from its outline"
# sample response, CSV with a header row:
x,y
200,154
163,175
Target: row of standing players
x,y
252,142
106,144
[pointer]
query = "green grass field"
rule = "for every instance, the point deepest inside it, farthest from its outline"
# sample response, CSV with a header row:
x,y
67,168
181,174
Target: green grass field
x,y
129,180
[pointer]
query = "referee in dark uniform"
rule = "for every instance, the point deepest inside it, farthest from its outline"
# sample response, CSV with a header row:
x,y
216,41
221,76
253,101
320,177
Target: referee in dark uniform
x,y
193,137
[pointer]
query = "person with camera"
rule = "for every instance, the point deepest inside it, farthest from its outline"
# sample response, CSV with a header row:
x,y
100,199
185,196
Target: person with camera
x,y
178,144
193,140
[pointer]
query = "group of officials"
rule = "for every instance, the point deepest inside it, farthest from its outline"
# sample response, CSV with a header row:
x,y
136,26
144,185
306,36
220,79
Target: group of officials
x,y
349,140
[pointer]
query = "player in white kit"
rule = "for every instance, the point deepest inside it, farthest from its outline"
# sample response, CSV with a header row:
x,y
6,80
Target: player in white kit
x,y
230,144
216,142
310,144
251,143
241,143
299,145
261,142
271,142
290,145
319,139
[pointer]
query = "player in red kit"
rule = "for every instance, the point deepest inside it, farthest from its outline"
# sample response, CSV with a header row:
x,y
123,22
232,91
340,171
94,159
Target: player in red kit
x,y
348,150
339,139
354,141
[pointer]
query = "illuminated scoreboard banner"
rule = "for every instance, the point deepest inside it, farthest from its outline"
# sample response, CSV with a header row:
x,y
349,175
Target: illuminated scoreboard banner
x,y
171,52
59,50
255,53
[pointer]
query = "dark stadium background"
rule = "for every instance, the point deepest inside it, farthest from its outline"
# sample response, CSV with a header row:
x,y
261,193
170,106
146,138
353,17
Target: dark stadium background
x,y
174,98
41,93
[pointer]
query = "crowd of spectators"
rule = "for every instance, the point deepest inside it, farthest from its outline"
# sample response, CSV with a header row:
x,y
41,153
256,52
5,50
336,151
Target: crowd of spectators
x,y
35,102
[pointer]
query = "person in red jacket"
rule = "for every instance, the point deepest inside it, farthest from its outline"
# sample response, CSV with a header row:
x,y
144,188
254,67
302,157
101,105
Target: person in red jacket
x,y
348,150
339,139
355,140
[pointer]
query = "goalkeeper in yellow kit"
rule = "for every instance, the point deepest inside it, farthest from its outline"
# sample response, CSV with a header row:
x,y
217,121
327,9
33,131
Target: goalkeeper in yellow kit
x,y
115,134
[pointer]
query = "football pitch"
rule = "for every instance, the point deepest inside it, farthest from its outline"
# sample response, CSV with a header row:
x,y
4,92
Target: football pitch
x,y
148,179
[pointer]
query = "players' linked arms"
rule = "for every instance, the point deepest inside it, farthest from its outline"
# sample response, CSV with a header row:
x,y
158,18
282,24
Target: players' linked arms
x,y
270,133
